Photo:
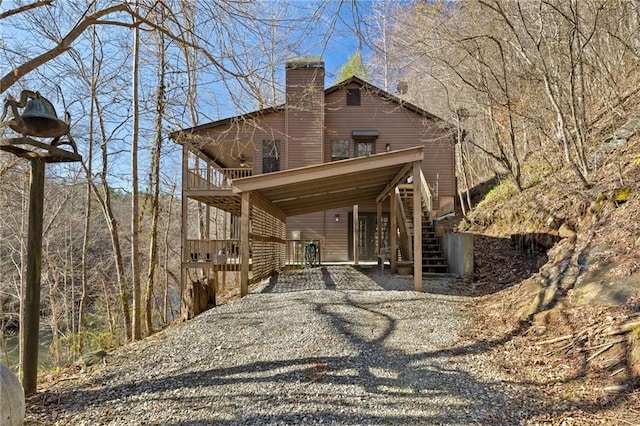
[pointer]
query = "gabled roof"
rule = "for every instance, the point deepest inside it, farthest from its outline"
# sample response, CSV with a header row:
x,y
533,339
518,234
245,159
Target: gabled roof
x,y
265,111
383,94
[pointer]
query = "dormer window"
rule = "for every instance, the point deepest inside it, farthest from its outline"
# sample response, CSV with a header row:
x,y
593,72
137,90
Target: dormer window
x,y
353,96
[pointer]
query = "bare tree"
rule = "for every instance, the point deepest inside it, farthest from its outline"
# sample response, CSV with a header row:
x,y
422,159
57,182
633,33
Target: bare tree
x,y
135,190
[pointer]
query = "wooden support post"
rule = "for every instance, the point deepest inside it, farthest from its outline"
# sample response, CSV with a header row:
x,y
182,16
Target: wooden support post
x,y
417,228
393,231
225,236
244,244
378,227
185,220
356,233
31,306
30,309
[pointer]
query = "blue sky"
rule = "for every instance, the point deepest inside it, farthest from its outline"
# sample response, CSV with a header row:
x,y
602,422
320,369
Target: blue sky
x,y
336,50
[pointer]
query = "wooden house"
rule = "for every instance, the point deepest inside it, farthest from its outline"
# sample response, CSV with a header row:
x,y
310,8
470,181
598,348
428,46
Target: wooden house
x,y
353,132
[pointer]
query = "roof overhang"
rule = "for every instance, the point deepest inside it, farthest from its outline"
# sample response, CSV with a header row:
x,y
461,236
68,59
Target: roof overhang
x,y
332,185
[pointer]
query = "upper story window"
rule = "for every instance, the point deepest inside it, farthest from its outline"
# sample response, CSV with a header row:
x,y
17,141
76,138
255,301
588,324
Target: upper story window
x,y
353,96
365,147
270,156
339,149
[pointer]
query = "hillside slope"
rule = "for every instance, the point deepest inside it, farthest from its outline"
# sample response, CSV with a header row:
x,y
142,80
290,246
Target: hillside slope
x,y
559,267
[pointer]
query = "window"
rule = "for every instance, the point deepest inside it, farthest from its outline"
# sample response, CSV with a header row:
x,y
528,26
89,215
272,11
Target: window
x,y
339,149
353,96
270,156
365,148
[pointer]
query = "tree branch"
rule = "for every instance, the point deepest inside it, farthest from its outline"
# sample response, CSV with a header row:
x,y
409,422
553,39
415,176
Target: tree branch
x,y
25,8
15,74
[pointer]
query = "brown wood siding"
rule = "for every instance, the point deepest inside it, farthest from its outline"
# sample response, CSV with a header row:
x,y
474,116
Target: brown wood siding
x,y
227,140
336,247
398,127
304,116
323,226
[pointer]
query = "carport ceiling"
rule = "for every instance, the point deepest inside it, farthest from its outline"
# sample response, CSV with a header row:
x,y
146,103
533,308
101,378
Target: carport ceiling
x,y
332,185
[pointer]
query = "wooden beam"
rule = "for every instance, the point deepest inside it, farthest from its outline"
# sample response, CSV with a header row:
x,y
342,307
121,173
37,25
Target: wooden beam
x,y
48,153
355,193
393,233
244,244
185,218
327,203
209,192
311,193
379,228
30,329
402,174
333,183
417,228
327,170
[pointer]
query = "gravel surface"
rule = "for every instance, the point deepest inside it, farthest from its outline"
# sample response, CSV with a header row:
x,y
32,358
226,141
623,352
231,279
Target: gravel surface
x,y
328,345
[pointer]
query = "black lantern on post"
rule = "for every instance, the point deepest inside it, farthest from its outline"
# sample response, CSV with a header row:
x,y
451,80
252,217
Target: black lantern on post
x,y
38,119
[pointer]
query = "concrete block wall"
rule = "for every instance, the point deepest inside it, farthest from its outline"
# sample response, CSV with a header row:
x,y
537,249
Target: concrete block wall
x,y
458,250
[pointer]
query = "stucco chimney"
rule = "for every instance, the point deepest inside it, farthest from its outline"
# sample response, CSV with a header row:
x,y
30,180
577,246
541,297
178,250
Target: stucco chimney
x,y
304,116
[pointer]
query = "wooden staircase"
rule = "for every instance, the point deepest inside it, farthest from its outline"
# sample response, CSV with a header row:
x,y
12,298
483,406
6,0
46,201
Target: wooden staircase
x,y
433,260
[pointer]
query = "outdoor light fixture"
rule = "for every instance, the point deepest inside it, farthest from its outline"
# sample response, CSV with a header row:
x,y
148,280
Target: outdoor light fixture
x,y
337,217
387,147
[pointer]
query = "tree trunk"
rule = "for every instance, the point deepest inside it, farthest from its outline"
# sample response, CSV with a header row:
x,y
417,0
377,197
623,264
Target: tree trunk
x,y
135,207
154,185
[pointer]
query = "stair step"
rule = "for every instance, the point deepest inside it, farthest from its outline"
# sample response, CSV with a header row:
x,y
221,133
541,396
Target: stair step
x,y
435,268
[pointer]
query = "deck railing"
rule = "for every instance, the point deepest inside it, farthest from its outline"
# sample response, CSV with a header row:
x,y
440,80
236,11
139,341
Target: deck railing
x,y
295,253
427,202
216,252
210,178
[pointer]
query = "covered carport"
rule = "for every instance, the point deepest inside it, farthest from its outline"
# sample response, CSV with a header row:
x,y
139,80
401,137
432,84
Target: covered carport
x,y
276,196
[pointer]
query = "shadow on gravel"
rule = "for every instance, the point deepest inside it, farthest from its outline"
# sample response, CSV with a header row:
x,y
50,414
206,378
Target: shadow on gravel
x,y
390,376
398,370
341,278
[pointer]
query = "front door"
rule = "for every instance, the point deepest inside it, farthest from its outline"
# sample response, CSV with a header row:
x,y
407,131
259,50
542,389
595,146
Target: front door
x,y
364,239
367,235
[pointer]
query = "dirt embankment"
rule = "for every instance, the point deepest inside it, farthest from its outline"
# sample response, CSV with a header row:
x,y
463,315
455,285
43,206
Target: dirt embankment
x,y
563,293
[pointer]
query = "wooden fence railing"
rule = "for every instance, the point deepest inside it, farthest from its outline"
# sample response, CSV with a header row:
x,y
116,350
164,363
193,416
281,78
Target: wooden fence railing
x,y
216,252
211,178
299,253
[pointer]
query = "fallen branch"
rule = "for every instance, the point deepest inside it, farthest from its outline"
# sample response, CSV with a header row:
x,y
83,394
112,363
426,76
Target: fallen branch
x,y
615,388
603,344
555,340
618,371
624,328
604,349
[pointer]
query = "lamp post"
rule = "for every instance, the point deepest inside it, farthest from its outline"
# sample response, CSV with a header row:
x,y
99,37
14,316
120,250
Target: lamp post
x,y
38,119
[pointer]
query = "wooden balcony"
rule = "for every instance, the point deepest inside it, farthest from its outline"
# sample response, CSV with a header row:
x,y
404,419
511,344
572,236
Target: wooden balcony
x,y
212,186
209,178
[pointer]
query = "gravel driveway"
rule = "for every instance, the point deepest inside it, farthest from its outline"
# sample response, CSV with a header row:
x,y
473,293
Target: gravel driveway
x,y
328,345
